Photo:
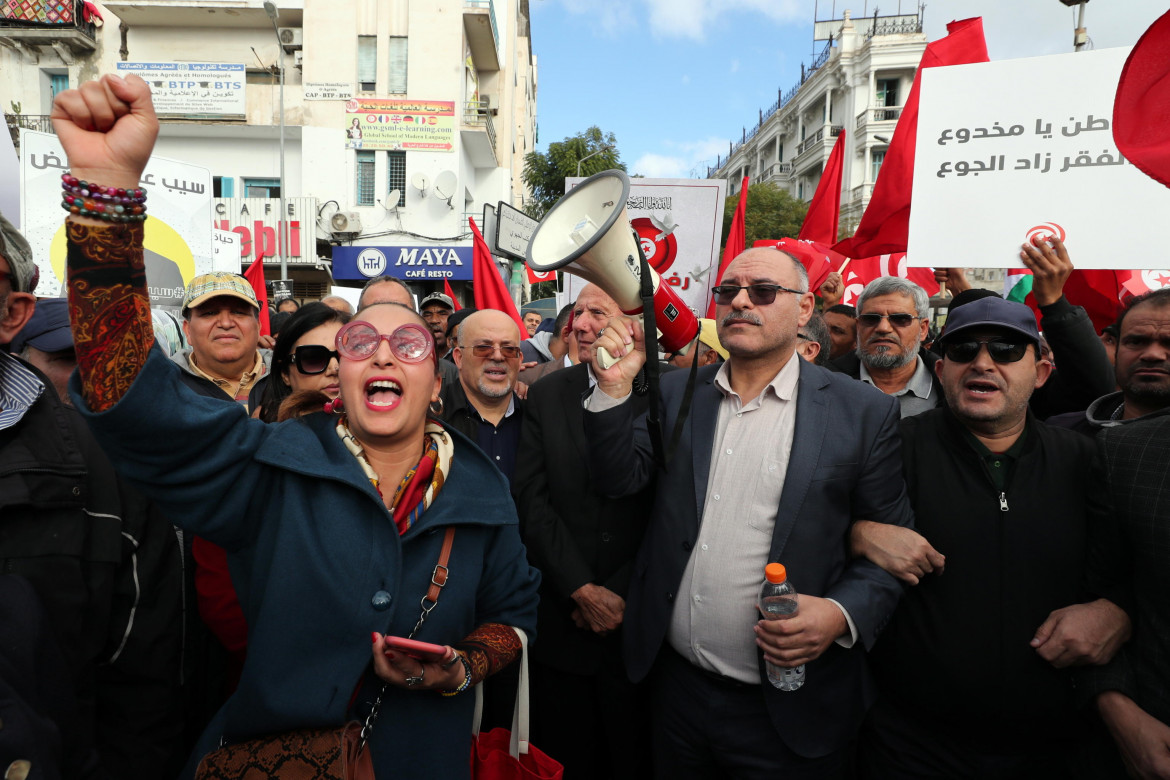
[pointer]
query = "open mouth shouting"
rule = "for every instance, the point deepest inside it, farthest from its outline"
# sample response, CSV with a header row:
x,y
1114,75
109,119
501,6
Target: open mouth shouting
x,y
383,394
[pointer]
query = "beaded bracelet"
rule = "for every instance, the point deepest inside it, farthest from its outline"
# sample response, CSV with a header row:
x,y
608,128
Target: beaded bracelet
x,y
112,204
466,677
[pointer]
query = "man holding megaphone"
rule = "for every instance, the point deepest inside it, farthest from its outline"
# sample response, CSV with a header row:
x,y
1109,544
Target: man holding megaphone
x,y
775,462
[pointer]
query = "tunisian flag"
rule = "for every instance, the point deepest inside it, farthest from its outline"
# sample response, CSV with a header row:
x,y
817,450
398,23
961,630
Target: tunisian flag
x,y
820,223
1142,94
255,277
885,225
864,270
490,292
736,241
818,259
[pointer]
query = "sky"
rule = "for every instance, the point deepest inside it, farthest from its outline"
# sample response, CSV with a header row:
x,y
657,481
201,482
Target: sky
x,y
676,80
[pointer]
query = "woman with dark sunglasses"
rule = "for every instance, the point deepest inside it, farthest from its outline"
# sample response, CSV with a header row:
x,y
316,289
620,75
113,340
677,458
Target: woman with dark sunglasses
x,y
336,524
304,360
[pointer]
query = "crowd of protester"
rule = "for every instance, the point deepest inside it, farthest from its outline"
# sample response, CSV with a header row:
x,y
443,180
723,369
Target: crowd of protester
x,y
200,550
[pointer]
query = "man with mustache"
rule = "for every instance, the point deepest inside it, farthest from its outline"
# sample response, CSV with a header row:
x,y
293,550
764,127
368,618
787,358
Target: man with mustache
x,y
776,460
1142,367
972,670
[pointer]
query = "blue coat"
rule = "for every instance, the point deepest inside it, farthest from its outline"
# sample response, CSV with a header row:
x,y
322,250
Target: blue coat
x,y
318,564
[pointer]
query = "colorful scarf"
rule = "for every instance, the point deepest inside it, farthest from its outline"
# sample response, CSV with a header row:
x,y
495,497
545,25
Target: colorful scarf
x,y
422,483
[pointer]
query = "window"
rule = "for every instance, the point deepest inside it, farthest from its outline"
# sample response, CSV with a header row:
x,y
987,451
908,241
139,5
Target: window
x,y
258,76
367,61
875,160
397,83
887,95
223,186
261,188
396,176
779,152
365,179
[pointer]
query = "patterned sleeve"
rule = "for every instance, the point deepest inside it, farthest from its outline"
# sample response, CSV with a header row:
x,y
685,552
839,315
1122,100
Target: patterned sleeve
x,y
109,307
489,648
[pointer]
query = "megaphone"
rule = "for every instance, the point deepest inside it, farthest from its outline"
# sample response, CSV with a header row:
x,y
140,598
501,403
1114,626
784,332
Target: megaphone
x,y
588,234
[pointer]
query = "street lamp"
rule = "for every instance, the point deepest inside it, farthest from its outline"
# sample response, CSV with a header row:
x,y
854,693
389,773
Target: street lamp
x,y
282,243
604,148
1080,35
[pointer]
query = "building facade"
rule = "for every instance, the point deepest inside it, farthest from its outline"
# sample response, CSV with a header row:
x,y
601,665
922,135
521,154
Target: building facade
x,y
858,85
401,119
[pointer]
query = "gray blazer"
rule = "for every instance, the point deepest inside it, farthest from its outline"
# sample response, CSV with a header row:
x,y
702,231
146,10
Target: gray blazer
x,y
844,465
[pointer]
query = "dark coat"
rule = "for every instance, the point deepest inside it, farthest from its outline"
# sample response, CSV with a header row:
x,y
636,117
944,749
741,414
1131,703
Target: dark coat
x,y
574,535
957,653
318,563
843,466
106,567
1136,459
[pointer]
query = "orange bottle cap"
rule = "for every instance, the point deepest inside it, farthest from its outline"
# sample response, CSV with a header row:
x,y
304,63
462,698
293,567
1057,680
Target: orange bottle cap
x,y
775,573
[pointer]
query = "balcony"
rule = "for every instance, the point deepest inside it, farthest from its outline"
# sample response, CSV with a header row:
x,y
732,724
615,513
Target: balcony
x,y
40,25
777,172
483,37
818,137
478,134
38,122
878,116
862,193
814,149
205,13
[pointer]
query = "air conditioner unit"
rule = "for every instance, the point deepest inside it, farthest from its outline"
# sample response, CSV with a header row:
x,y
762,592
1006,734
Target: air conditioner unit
x,y
292,38
345,222
493,103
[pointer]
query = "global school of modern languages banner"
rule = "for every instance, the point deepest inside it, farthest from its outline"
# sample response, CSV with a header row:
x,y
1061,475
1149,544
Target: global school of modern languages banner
x,y
427,125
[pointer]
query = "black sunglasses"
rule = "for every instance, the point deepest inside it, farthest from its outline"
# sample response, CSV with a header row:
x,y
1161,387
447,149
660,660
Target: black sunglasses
x,y
312,359
897,320
758,294
1001,351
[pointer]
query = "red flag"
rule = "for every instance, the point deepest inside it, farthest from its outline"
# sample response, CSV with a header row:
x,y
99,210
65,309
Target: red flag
x,y
490,292
817,258
820,223
736,241
536,277
255,277
864,270
1142,94
447,291
886,223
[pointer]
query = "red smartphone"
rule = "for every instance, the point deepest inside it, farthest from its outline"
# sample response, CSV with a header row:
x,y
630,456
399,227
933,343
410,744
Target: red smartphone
x,y
423,651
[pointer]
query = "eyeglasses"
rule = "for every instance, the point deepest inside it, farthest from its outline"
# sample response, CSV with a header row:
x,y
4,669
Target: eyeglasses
x,y
758,294
312,359
488,350
1001,351
897,320
410,343
800,335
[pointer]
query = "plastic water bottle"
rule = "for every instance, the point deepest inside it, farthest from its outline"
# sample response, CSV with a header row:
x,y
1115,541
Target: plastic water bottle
x,y
778,602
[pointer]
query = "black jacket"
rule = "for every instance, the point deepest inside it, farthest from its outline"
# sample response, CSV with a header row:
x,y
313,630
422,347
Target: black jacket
x,y
957,653
106,567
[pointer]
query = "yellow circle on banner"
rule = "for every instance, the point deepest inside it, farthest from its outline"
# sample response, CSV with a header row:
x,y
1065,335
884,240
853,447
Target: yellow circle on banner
x,y
160,238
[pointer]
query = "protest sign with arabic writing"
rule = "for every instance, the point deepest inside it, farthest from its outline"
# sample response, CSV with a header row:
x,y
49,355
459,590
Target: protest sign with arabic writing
x,y
178,228
1008,150
679,223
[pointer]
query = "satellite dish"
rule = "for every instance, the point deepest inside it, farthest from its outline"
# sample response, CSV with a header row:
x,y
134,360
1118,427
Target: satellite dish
x,y
392,200
445,185
420,183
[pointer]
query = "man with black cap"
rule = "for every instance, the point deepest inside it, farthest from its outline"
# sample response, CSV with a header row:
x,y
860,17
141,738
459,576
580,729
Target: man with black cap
x,y
103,565
972,667
435,309
47,343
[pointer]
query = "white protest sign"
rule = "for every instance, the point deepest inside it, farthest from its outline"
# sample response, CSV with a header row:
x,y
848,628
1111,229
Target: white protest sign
x,y
678,222
177,236
225,251
1007,150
